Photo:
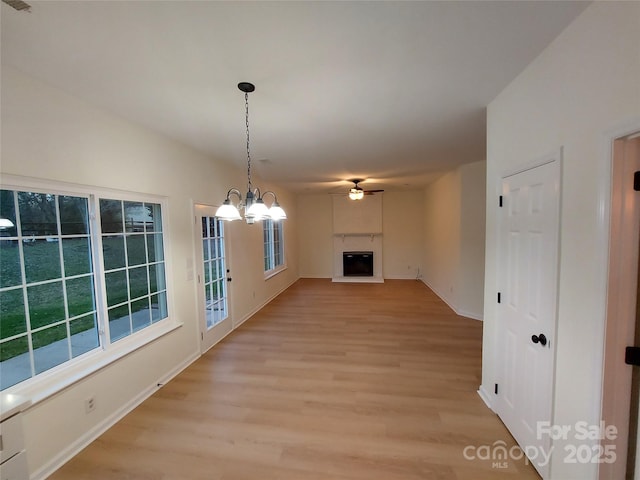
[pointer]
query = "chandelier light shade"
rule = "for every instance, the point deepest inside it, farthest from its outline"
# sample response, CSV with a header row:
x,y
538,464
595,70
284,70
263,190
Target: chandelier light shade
x,y
253,203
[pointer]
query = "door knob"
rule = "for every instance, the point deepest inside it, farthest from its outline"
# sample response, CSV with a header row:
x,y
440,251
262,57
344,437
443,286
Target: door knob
x,y
228,279
541,339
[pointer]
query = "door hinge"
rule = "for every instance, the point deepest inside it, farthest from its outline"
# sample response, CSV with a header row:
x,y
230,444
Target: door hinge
x,y
499,297
632,356
202,336
636,181
500,201
495,389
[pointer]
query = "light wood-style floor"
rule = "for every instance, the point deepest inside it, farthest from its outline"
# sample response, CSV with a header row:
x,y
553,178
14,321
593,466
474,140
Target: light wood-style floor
x,y
328,381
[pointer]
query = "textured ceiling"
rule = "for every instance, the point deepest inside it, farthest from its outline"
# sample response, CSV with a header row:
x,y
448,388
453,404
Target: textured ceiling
x,y
394,92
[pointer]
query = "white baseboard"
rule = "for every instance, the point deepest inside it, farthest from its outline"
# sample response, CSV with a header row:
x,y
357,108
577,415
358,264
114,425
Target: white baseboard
x,y
262,305
486,397
74,448
452,306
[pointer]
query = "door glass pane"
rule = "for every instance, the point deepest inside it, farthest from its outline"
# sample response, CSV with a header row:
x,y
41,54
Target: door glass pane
x,y
215,284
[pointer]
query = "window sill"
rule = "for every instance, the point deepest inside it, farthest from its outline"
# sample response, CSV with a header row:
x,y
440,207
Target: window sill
x,y
58,378
272,273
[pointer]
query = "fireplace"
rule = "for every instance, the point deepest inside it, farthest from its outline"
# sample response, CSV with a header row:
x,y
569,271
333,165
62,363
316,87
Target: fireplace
x,y
357,264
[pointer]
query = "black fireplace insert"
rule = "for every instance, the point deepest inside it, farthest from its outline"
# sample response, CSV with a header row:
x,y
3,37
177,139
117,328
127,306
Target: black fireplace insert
x,y
357,264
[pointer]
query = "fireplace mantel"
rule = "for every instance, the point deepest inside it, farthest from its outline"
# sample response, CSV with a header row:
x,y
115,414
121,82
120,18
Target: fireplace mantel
x,y
357,226
357,242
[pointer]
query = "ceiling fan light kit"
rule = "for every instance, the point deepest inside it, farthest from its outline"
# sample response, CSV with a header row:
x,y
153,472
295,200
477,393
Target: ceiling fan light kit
x,y
357,193
253,203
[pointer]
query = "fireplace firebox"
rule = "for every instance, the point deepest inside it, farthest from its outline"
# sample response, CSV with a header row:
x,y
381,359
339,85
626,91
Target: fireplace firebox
x,y
357,264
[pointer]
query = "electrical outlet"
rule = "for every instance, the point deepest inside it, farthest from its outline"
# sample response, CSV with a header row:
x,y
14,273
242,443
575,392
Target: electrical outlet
x,y
90,404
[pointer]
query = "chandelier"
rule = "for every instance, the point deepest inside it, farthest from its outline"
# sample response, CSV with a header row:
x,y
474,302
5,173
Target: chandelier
x,y
253,203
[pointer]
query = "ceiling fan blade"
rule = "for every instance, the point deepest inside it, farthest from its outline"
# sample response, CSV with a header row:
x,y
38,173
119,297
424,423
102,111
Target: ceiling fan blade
x,y
370,192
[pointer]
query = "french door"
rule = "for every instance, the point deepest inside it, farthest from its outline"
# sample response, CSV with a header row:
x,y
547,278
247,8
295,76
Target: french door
x,y
213,277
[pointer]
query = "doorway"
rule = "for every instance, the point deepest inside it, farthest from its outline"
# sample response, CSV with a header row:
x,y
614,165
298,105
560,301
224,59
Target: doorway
x,y
620,382
213,277
527,314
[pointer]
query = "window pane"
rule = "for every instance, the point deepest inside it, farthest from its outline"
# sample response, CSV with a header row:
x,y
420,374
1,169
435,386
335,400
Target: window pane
x,y
119,322
84,335
8,212
154,217
135,216
154,244
13,320
135,250
116,283
156,277
50,347
41,260
138,284
73,215
113,252
140,314
10,273
111,216
46,304
77,256
37,214
159,306
15,365
80,296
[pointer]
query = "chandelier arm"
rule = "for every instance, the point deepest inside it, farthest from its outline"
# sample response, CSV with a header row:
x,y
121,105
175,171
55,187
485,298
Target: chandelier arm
x,y
236,192
275,198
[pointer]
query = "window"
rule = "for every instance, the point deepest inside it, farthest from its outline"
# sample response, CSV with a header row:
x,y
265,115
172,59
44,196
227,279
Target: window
x,y
273,246
70,285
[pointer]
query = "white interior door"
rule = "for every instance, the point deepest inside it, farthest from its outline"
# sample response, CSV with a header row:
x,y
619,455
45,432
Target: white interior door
x,y
213,277
528,270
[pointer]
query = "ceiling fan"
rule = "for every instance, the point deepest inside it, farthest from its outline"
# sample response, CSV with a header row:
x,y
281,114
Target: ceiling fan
x,y
357,193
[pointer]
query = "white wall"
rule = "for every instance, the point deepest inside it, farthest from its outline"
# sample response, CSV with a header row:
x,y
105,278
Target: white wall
x,y
442,236
315,235
402,234
472,239
50,135
584,85
454,238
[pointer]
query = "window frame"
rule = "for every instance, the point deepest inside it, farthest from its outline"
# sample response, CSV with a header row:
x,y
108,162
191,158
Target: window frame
x,y
269,244
49,382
